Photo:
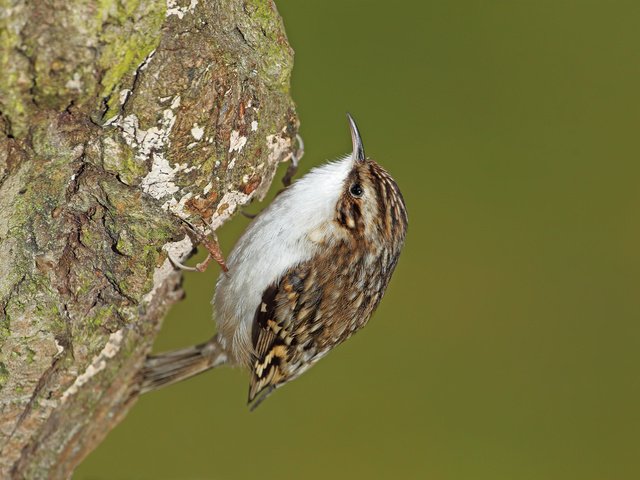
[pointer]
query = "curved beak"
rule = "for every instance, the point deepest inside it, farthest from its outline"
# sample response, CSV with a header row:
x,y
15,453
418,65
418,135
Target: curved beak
x,y
358,148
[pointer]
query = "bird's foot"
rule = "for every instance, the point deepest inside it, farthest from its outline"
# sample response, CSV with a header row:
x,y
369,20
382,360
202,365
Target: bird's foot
x,y
293,165
210,242
250,216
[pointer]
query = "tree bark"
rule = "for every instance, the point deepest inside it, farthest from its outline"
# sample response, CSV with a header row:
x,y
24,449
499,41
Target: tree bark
x,y
117,119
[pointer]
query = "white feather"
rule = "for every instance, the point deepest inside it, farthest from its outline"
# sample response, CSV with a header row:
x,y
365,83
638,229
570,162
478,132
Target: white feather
x,y
286,233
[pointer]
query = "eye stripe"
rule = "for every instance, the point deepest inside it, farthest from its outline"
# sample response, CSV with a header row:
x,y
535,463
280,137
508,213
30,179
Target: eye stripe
x,y
356,213
343,217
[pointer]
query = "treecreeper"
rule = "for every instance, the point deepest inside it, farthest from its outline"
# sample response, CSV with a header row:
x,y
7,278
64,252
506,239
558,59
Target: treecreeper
x,y
120,122
308,273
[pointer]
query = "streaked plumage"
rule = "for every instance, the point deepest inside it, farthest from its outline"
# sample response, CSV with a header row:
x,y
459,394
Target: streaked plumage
x,y
307,273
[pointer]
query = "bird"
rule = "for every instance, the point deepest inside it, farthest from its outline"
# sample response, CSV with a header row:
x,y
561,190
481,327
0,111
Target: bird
x,y
307,273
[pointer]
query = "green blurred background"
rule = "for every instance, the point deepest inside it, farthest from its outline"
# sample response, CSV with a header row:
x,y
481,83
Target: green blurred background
x,y
507,346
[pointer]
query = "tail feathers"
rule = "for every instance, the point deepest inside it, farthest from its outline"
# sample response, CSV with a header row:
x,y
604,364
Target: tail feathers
x,y
255,399
172,367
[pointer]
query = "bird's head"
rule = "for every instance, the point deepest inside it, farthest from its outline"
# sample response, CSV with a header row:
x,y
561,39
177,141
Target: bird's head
x,y
370,206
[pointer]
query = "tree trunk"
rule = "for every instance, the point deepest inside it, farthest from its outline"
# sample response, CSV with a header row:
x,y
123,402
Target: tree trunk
x,y
117,119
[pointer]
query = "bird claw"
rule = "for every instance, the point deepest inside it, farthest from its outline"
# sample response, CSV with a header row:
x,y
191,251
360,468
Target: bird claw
x,y
179,265
295,160
210,242
250,216
215,252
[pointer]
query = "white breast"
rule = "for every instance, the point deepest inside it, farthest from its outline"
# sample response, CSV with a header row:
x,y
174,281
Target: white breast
x,y
289,231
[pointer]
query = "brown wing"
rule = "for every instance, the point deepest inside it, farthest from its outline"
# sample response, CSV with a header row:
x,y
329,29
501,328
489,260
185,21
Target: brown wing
x,y
269,348
283,331
315,306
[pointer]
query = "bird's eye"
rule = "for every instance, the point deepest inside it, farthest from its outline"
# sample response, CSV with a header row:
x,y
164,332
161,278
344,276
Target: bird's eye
x,y
356,190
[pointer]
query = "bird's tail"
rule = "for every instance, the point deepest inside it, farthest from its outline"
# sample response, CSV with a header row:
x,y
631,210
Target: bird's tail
x,y
172,367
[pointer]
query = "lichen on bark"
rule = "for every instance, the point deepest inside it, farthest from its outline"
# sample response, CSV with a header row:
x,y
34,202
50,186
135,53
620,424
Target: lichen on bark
x,y
117,119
